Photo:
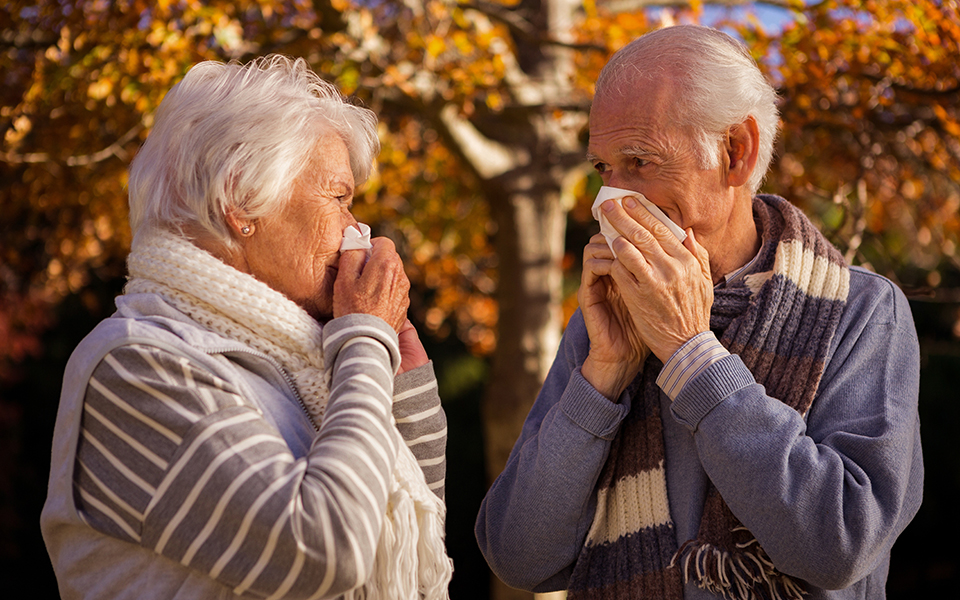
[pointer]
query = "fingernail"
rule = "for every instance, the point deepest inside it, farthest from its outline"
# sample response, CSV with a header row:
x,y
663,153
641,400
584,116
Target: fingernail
x,y
629,202
607,206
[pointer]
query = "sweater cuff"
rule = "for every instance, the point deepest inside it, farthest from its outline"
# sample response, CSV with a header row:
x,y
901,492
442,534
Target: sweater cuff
x,y
341,330
711,387
591,410
414,382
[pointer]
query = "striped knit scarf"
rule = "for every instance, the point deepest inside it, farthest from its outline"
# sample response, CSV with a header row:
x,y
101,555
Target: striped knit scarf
x,y
781,324
411,561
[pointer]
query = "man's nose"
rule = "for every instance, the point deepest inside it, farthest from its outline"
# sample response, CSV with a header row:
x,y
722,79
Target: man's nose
x,y
617,181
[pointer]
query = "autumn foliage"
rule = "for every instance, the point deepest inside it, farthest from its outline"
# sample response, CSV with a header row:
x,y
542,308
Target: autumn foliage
x,y
871,136
483,111
870,143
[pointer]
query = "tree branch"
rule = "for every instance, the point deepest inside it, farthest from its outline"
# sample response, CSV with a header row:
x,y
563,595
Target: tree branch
x,y
902,87
520,27
487,157
623,6
114,149
331,19
937,295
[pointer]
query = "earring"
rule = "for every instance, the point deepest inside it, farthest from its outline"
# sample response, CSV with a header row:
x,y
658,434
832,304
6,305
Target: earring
x,y
245,230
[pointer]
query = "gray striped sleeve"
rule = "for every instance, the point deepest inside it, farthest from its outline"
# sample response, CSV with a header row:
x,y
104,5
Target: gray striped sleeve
x,y
422,423
227,497
140,404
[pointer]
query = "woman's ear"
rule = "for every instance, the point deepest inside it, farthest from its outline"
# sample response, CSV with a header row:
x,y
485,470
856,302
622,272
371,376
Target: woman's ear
x,y
741,147
239,223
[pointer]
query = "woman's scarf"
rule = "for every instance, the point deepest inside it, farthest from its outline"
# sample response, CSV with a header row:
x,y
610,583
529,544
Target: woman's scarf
x,y
781,324
411,561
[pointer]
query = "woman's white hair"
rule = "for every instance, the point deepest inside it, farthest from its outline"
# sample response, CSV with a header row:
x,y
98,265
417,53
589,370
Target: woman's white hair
x,y
233,137
718,83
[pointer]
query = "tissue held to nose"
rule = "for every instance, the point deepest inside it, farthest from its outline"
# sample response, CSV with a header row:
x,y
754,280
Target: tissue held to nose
x,y
617,195
356,238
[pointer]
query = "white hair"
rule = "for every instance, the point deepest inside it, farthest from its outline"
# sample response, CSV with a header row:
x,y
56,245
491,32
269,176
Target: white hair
x,y
234,137
718,85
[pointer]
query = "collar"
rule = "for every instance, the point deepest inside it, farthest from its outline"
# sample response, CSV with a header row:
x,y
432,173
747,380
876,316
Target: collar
x,y
736,276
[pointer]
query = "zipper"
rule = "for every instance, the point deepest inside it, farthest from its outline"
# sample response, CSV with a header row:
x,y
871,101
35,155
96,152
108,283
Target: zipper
x,y
283,372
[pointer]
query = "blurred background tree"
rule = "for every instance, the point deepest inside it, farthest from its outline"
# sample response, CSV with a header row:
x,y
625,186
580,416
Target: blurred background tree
x,y
482,184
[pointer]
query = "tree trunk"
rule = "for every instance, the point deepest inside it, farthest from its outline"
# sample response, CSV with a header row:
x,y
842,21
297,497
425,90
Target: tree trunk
x,y
531,223
529,241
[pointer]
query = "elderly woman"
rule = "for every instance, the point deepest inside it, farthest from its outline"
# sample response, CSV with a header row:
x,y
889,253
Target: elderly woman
x,y
258,418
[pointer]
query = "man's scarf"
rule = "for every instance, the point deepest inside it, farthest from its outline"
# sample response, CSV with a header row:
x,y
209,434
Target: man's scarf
x,y
781,324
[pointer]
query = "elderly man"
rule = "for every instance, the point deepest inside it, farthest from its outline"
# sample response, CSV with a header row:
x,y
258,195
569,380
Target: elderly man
x,y
731,416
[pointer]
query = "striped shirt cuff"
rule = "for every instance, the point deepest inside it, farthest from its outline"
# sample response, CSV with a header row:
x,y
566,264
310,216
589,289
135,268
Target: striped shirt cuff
x,y
337,332
700,351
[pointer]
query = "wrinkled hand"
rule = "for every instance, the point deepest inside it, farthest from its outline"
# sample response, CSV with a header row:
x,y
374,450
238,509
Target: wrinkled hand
x,y
412,352
616,351
378,286
666,285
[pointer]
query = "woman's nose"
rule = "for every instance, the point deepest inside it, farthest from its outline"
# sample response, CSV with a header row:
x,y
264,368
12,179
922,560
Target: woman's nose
x,y
347,219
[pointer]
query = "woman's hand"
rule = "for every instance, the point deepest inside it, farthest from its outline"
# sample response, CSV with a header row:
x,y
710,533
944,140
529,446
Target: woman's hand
x,y
412,352
617,352
376,286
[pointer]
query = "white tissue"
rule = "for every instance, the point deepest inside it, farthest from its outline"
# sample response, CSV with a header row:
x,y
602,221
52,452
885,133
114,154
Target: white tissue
x,y
617,195
356,238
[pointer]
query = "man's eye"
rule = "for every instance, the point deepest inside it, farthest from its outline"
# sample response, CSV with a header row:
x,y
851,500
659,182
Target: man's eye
x,y
639,162
600,167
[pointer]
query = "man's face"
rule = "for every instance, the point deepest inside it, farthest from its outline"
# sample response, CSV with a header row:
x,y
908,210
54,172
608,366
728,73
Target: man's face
x,y
636,144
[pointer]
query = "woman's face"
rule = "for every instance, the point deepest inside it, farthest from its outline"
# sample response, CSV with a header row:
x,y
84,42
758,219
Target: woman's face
x,y
296,250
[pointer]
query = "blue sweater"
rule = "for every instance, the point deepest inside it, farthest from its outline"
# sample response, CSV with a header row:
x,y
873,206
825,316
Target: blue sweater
x,y
826,495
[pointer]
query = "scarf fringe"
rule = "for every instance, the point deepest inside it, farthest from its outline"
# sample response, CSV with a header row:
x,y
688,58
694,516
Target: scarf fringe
x,y
409,567
745,574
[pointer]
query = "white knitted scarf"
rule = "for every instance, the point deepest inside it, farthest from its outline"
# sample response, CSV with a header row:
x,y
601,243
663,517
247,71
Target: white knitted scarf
x,y
411,561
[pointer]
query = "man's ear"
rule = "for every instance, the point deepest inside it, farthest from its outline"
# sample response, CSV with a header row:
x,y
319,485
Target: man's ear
x,y
741,147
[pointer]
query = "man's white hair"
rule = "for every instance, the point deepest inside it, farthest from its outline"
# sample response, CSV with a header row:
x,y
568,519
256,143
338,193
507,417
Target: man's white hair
x,y
717,82
234,137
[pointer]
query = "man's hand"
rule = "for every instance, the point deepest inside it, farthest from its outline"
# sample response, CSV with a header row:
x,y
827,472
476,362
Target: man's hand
x,y
666,286
616,351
